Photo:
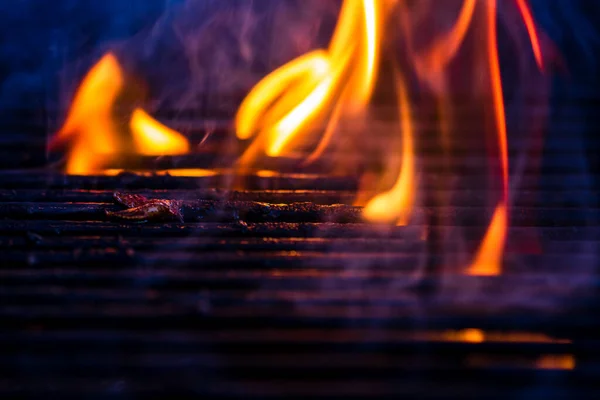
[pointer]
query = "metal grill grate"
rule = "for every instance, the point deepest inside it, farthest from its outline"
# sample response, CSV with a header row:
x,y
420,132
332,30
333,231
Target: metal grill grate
x,y
287,291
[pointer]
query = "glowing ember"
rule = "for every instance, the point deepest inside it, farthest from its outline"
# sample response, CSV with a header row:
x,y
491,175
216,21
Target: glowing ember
x,y
323,87
531,29
189,172
91,132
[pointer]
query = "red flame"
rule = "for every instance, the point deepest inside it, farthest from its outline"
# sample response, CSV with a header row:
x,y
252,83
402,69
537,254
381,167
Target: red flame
x,y
532,30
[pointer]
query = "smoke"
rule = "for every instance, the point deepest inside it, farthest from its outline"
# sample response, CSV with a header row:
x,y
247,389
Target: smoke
x,y
48,47
573,26
203,55
220,49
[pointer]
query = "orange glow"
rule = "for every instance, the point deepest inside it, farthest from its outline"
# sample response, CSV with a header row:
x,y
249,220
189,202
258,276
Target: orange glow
x,y
313,93
531,29
468,336
489,256
94,137
447,46
152,138
301,106
473,335
556,361
193,172
397,203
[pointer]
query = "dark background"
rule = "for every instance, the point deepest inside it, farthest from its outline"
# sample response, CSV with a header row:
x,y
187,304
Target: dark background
x,y
47,46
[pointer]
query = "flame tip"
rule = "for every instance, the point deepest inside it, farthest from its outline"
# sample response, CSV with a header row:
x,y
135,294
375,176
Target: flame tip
x,y
91,132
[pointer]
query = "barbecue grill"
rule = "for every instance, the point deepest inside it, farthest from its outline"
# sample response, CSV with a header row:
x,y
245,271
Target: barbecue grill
x,y
274,285
281,288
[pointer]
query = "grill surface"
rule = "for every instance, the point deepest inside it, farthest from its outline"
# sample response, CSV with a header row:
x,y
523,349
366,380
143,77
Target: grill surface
x,y
286,291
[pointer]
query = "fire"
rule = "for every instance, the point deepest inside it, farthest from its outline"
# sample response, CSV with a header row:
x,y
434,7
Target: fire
x,y
316,91
397,203
93,134
299,97
152,138
305,101
489,256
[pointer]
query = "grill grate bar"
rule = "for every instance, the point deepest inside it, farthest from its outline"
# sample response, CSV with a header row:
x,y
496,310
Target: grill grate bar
x,y
257,212
458,197
435,181
273,230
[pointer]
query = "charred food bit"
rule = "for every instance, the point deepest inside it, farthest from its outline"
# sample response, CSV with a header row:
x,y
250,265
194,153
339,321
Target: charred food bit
x,y
130,200
142,209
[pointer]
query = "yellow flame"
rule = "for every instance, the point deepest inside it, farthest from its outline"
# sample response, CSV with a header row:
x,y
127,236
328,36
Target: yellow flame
x,y
489,257
369,55
254,106
397,203
150,137
187,172
312,92
298,97
92,134
475,335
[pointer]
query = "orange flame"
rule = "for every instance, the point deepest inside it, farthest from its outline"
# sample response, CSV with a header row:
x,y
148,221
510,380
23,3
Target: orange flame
x,y
474,335
299,97
92,134
397,203
557,362
489,257
311,95
322,87
152,138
